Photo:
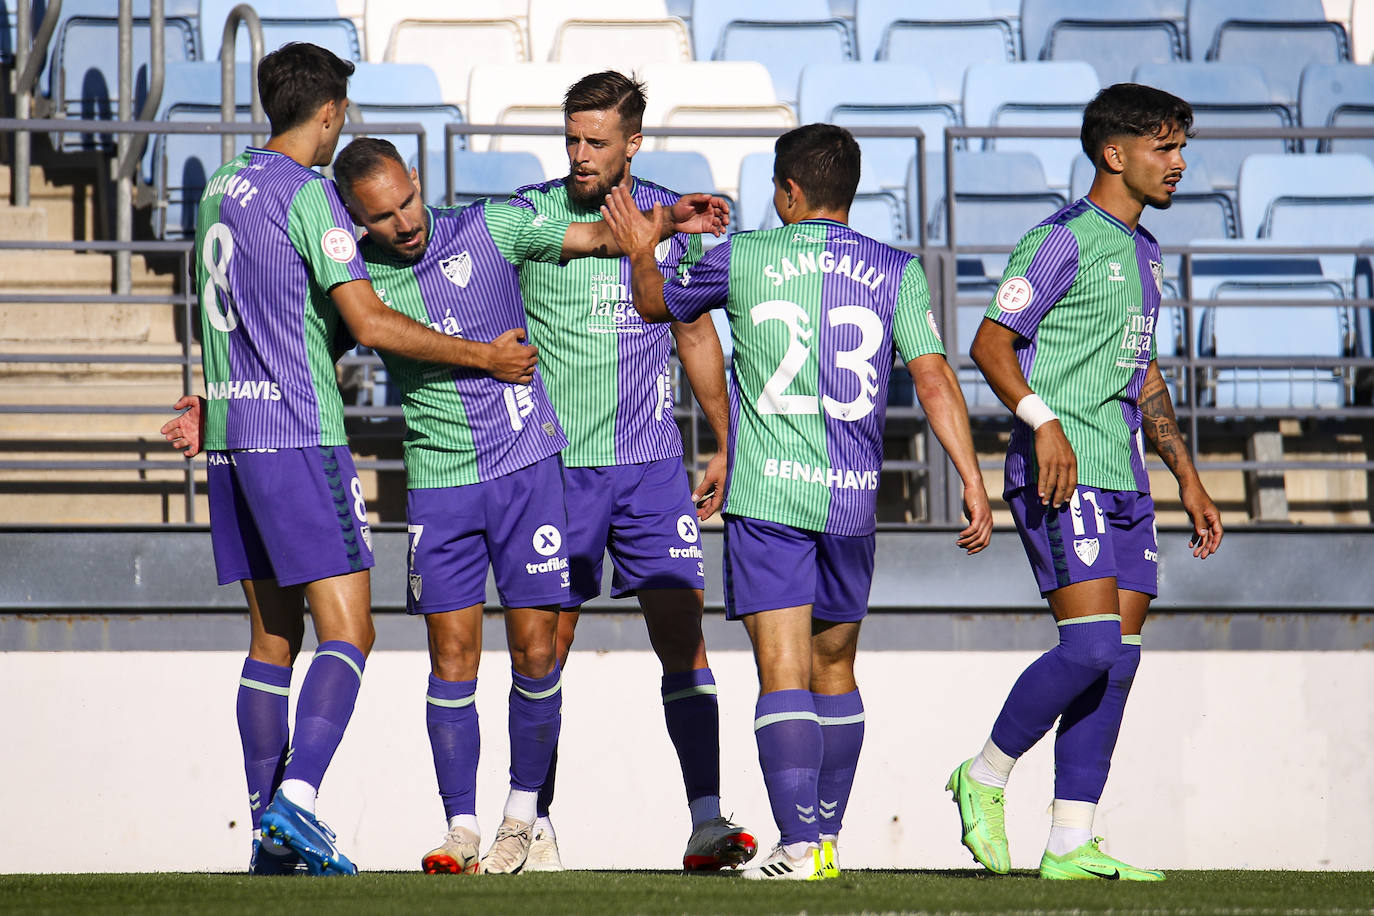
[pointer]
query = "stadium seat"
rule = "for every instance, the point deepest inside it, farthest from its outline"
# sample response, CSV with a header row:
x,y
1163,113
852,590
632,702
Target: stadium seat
x,y
547,18
403,92
477,175
1278,36
877,94
1223,95
525,94
315,21
624,45
782,38
879,214
383,16
710,17
84,76
754,207
974,30
178,165
714,94
453,48
1039,94
683,171
1338,95
1114,39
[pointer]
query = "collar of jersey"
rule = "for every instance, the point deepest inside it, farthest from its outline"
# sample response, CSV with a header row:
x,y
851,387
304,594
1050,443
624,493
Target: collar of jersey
x,y
824,219
1109,218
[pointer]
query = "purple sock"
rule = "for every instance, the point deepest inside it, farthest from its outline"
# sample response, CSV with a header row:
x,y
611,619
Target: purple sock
x,y
842,737
1088,729
324,708
536,713
546,790
689,708
264,692
1087,648
789,739
451,717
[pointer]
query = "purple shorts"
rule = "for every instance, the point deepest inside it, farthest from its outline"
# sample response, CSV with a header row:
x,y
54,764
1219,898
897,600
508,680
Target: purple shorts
x,y
770,566
291,514
644,515
1101,534
514,524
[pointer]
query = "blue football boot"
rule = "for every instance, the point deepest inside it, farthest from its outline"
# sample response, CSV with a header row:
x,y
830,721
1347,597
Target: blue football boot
x,y
269,858
290,825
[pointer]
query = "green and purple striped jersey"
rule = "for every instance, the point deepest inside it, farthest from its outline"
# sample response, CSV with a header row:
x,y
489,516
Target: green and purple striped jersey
x,y
607,370
814,309
272,238
1083,291
464,426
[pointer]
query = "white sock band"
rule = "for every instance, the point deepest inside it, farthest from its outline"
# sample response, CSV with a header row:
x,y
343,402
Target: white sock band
x,y
992,767
1033,412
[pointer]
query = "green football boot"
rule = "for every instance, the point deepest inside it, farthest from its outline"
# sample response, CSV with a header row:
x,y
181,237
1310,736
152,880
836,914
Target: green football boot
x,y
982,818
1088,862
829,860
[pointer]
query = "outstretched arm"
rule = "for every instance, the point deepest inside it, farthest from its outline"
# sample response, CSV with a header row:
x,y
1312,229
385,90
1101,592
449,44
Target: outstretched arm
x,y
993,349
693,214
938,390
637,233
698,348
1161,428
374,325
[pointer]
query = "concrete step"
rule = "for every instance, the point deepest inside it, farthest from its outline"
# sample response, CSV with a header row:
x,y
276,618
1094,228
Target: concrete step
x,y
66,194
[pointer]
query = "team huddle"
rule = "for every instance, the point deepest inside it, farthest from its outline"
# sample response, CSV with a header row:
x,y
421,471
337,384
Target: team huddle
x,y
534,458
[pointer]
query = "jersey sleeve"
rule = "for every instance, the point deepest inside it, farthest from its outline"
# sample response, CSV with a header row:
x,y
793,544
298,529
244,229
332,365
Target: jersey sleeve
x,y
705,286
691,257
523,235
913,325
322,232
1040,271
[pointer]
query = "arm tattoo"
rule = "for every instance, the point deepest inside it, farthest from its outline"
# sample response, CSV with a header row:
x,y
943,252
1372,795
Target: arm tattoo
x,y
1160,425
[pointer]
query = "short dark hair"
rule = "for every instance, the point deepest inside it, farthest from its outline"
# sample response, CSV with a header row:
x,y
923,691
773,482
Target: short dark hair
x,y
296,79
361,159
1130,109
823,159
604,91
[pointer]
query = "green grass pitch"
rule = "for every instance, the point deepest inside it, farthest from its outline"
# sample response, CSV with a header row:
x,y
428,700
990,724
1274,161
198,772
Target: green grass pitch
x,y
1237,893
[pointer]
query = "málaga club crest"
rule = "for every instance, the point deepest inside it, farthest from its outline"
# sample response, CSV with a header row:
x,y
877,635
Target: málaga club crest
x,y
458,268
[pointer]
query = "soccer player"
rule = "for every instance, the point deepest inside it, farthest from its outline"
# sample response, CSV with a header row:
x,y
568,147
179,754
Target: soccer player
x,y
1068,345
276,268
815,310
608,376
485,485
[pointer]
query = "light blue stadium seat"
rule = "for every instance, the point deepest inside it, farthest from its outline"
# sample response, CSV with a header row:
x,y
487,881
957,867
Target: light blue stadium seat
x,y
754,209
972,30
710,17
786,47
1032,94
1223,95
315,21
1338,95
877,94
880,215
178,165
683,171
1113,38
85,71
494,174
1278,36
396,93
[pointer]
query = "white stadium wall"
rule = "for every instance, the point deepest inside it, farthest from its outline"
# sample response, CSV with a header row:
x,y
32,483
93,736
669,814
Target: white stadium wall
x,y
1228,759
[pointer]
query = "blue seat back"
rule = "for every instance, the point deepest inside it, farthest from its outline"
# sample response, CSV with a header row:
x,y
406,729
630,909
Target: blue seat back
x,y
786,47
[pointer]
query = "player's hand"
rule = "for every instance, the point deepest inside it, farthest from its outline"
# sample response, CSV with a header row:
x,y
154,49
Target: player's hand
x,y
979,514
634,232
699,213
1206,518
1058,465
710,493
512,361
187,430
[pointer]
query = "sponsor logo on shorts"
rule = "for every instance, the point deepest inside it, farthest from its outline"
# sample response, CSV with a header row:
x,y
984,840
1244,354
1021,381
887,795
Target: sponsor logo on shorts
x,y
1087,549
221,458
693,552
1151,555
547,539
552,565
338,245
1014,294
687,528
458,268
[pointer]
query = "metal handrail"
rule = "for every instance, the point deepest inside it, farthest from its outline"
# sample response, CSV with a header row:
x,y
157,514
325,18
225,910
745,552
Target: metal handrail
x,y
28,64
227,108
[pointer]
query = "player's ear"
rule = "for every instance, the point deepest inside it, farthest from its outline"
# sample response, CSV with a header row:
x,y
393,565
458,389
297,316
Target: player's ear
x,y
1113,158
415,180
633,144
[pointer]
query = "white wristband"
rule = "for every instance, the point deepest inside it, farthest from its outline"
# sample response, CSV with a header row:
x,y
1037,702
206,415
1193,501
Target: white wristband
x,y
1033,412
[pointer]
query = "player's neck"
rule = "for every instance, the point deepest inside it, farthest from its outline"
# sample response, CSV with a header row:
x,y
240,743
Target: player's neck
x,y
295,145
1116,199
838,216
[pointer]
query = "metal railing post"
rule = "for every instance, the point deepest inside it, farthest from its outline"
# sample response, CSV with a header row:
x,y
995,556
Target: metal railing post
x,y
28,62
124,200
228,107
